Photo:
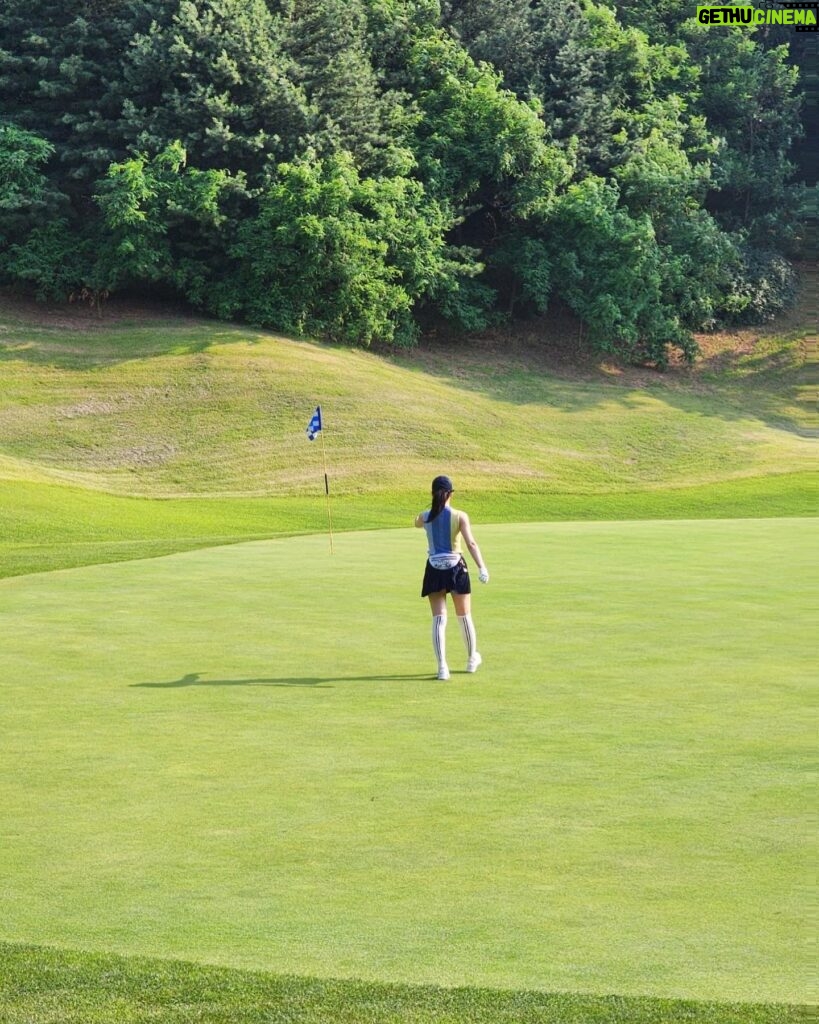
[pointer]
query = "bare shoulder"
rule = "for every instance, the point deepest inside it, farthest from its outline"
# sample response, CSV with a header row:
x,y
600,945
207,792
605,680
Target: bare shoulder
x,y
464,524
421,519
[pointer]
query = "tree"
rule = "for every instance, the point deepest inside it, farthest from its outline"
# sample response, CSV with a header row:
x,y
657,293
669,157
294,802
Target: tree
x,y
600,85
327,40
25,192
469,161
59,76
213,75
336,255
614,275
161,222
748,96
35,243
484,153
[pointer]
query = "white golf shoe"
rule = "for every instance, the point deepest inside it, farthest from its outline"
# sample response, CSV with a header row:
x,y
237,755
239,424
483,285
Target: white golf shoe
x,y
473,662
443,672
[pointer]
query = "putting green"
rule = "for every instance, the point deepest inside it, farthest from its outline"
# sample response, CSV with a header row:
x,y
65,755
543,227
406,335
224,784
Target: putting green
x,y
240,756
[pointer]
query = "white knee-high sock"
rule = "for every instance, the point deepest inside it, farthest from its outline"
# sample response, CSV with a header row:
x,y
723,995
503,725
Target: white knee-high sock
x,y
469,634
439,638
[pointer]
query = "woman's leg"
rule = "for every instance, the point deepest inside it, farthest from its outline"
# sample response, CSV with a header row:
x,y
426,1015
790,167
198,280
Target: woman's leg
x,y
437,604
463,607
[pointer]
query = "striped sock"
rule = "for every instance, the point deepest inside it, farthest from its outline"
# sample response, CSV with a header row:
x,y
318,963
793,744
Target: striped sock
x,y
469,635
439,639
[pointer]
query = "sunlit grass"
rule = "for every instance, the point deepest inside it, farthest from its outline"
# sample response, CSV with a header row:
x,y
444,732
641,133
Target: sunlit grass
x,y
241,756
234,755
46,526
182,408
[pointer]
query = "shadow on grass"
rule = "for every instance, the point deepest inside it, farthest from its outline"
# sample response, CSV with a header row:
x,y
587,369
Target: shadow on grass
x,y
540,362
89,351
195,679
71,337
548,361
728,386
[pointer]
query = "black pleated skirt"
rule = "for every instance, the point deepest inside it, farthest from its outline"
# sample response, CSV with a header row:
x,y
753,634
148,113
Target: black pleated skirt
x,y
455,581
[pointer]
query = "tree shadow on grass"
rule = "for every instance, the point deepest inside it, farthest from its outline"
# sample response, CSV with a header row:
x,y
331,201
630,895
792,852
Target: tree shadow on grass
x,y
71,336
740,373
195,679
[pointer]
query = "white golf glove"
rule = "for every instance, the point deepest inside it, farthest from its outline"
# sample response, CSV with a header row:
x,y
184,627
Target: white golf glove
x,y
483,575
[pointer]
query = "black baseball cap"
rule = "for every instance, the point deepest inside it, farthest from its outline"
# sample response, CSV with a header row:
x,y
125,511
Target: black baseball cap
x,y
442,483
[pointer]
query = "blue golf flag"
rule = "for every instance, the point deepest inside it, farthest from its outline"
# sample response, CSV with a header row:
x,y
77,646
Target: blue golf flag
x,y
314,426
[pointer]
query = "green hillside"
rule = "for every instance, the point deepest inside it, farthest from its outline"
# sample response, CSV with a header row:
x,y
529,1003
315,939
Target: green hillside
x,y
99,414
180,407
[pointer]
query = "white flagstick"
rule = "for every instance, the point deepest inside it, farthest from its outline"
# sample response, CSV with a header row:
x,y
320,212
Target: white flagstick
x,y
326,481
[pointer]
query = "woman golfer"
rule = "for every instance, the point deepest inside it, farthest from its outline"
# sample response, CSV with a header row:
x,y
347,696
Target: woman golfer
x,y
446,572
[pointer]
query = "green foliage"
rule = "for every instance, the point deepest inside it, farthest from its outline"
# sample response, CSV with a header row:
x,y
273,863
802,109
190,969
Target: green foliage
x,y
469,304
159,219
49,259
333,254
327,40
524,263
763,285
37,245
474,137
214,75
692,129
747,94
463,126
25,193
59,71
488,155
660,178
600,85
22,155
696,258
613,276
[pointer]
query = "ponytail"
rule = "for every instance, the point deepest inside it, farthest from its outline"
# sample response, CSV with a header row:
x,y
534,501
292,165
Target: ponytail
x,y
439,498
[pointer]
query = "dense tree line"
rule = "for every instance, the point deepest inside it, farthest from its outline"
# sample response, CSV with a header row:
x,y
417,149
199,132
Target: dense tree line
x,y
350,168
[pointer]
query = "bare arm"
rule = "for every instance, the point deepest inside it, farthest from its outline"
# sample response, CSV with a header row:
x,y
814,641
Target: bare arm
x,y
471,543
419,519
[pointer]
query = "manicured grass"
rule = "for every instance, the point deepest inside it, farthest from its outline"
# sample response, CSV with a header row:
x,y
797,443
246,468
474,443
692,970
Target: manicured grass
x,y
50,526
39,986
239,756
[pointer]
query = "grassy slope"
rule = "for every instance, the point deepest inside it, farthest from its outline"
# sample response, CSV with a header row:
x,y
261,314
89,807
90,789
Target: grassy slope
x,y
217,411
45,526
99,417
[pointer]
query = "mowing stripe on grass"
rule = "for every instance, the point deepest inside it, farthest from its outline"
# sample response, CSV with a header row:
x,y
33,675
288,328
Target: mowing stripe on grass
x,y
39,986
50,526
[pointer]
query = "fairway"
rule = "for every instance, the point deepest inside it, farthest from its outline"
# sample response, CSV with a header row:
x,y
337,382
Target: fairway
x,y
240,756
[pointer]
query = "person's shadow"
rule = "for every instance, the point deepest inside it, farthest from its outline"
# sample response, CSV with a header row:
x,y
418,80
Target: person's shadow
x,y
195,679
